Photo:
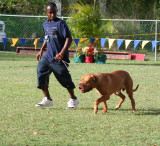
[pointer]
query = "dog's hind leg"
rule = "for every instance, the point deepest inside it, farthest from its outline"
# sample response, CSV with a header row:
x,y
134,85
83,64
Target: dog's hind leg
x,y
104,106
122,98
130,94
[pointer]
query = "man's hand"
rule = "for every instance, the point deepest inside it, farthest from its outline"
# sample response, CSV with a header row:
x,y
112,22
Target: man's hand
x,y
59,57
39,55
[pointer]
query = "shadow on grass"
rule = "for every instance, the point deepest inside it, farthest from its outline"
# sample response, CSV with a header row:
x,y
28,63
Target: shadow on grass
x,y
138,112
148,112
142,111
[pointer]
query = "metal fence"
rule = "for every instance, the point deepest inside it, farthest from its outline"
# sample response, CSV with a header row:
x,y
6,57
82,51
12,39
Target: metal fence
x,y
30,27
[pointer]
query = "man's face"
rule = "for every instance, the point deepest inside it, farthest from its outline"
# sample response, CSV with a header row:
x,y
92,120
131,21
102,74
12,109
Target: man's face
x,y
51,13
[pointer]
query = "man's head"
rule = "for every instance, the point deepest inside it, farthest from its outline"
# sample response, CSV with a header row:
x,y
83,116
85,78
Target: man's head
x,y
51,11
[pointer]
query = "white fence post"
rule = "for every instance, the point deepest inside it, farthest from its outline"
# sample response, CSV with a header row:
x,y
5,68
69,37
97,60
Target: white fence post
x,y
156,39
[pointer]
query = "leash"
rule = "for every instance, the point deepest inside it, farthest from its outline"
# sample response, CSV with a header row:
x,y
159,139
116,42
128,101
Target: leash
x,y
66,63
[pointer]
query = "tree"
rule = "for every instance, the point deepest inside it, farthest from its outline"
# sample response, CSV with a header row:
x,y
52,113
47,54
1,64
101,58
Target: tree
x,y
127,9
33,7
85,22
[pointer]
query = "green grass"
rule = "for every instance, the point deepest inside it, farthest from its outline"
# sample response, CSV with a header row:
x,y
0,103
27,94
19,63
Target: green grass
x,y
22,123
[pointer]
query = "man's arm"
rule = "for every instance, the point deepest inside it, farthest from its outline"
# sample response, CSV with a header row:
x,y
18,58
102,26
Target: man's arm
x,y
39,55
64,49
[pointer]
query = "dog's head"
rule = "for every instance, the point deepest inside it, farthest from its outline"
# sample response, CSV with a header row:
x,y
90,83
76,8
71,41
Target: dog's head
x,y
87,83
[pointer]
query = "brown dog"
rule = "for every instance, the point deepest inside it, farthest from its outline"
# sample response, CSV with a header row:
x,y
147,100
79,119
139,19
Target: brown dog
x,y
107,84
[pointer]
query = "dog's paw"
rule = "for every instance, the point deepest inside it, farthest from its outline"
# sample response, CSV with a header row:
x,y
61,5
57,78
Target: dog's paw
x,y
117,107
104,111
95,112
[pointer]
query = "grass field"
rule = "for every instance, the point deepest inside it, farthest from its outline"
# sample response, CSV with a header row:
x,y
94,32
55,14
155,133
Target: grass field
x,y
22,123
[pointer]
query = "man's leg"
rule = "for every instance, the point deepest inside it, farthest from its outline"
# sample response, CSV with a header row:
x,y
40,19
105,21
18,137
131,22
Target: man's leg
x,y
71,92
73,102
46,92
43,72
47,101
62,75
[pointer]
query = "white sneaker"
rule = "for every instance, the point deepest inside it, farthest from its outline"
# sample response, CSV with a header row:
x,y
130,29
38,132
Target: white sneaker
x,y
45,103
72,103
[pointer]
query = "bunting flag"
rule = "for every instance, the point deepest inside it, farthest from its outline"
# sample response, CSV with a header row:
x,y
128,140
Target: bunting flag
x,y
110,42
4,41
83,39
136,42
96,39
119,43
14,40
76,42
144,43
127,42
92,40
154,43
103,40
41,40
35,43
23,41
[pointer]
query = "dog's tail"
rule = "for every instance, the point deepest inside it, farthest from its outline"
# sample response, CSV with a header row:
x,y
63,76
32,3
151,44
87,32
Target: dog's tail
x,y
123,89
135,88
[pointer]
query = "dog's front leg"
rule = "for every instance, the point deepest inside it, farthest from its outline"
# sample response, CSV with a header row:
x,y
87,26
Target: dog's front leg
x,y
96,106
105,98
101,99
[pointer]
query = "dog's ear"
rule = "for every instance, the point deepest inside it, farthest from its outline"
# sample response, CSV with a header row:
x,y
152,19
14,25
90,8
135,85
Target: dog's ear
x,y
93,77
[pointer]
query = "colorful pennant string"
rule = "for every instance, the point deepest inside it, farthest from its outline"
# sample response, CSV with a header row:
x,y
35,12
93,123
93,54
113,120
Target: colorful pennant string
x,y
103,41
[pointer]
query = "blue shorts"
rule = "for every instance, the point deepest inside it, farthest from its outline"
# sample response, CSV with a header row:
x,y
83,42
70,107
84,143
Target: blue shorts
x,y
45,68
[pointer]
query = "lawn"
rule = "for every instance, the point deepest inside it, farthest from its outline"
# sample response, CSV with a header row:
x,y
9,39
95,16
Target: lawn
x,y
22,123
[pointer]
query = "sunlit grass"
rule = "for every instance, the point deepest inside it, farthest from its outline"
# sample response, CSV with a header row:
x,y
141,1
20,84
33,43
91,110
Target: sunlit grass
x,y
22,123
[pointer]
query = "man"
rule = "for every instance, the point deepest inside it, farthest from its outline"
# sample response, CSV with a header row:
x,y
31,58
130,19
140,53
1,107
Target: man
x,y
57,39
